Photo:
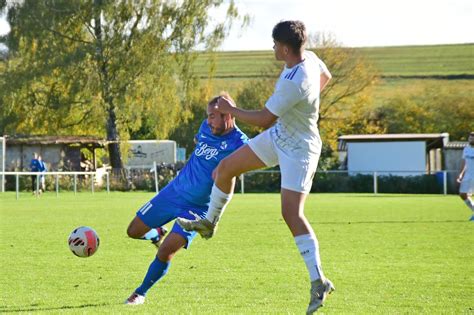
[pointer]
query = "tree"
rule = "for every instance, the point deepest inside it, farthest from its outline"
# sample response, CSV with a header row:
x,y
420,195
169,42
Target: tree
x,y
437,109
105,66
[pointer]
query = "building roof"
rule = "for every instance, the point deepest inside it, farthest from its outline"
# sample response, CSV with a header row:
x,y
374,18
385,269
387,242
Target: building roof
x,y
48,140
433,140
394,137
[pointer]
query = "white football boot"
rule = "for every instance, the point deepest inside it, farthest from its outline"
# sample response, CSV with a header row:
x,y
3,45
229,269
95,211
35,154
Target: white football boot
x,y
319,292
203,226
135,299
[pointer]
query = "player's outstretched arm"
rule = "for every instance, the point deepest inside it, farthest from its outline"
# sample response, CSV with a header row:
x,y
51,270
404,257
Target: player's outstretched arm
x,y
324,80
261,118
463,169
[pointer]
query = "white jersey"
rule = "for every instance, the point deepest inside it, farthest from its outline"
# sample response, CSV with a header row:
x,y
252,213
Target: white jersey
x,y
296,103
468,156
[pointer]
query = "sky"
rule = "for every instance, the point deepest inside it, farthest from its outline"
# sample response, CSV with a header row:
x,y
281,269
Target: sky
x,y
359,23
354,23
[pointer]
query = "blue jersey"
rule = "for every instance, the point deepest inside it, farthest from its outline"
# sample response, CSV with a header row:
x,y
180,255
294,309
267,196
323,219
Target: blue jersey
x,y
41,166
35,165
194,182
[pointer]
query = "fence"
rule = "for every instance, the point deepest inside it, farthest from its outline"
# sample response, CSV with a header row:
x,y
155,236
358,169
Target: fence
x,y
153,178
442,182
78,180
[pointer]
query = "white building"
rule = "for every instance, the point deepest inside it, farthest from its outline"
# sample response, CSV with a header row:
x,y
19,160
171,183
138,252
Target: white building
x,y
142,153
392,154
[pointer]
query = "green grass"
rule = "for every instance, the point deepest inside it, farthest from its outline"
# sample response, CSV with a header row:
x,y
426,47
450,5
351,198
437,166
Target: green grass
x,y
432,60
388,89
386,254
419,61
405,70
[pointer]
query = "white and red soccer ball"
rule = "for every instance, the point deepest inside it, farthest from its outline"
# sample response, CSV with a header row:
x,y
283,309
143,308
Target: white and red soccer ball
x,y
83,241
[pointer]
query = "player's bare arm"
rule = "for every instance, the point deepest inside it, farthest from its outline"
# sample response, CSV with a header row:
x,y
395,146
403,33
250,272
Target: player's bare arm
x,y
324,80
463,169
261,118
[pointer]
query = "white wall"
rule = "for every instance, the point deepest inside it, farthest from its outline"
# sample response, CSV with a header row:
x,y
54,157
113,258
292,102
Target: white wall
x,y
142,153
366,157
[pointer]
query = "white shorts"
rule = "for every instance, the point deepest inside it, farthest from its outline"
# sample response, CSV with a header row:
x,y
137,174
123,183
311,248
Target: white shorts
x,y
467,186
296,174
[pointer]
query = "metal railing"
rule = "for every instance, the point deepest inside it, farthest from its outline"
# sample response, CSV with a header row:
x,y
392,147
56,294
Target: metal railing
x,y
377,176
93,176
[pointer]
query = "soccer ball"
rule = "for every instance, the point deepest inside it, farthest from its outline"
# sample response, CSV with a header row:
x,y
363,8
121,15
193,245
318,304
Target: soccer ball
x,y
83,241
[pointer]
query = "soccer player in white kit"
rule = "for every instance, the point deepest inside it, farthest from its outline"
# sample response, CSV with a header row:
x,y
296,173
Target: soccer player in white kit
x,y
292,141
466,176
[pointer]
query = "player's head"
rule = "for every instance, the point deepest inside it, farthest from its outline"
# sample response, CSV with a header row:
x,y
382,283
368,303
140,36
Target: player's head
x,y
219,123
470,139
289,37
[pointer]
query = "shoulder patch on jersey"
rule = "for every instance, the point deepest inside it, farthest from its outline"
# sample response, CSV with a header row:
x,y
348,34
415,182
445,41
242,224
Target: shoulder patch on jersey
x,y
291,74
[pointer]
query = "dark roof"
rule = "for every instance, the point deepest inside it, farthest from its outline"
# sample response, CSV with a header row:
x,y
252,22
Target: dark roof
x,y
433,140
45,140
394,137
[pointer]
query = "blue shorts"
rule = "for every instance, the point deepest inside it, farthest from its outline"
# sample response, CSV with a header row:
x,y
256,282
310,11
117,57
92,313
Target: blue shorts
x,y
167,206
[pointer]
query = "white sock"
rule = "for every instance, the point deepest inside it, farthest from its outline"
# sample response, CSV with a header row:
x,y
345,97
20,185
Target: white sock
x,y
469,203
219,201
309,250
150,234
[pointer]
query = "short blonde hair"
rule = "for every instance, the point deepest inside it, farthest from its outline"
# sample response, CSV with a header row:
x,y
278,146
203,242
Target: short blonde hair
x,y
225,94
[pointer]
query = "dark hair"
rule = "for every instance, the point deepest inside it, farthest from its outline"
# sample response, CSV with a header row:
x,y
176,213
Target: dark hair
x,y
291,33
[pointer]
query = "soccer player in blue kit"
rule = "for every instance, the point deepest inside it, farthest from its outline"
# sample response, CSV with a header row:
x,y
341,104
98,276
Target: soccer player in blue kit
x,y
186,196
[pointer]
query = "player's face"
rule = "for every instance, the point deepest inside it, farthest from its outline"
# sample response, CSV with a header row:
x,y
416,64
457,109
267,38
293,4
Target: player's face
x,y
216,121
471,139
280,50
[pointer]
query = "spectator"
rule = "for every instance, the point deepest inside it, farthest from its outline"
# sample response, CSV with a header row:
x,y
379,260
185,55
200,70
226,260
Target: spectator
x,y
42,169
34,167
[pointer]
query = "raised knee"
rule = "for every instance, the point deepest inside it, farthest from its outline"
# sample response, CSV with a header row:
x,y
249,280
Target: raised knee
x,y
132,233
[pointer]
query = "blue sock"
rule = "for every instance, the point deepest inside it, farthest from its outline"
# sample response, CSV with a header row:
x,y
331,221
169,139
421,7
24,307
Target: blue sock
x,y
153,233
156,271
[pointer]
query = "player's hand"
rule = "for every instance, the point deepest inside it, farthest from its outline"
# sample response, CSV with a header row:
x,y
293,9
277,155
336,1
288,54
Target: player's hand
x,y
224,105
459,179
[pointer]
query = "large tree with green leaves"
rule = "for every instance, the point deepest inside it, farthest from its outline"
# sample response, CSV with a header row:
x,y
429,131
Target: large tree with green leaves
x,y
104,67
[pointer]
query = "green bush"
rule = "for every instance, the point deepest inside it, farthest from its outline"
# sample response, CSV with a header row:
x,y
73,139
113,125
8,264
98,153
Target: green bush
x,y
423,184
262,182
341,182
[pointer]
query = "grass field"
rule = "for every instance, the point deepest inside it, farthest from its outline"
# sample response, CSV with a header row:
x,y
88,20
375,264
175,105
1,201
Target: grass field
x,y
435,60
405,70
386,254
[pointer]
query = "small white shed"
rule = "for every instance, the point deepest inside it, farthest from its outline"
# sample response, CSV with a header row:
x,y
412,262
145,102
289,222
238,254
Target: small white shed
x,y
394,154
142,153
